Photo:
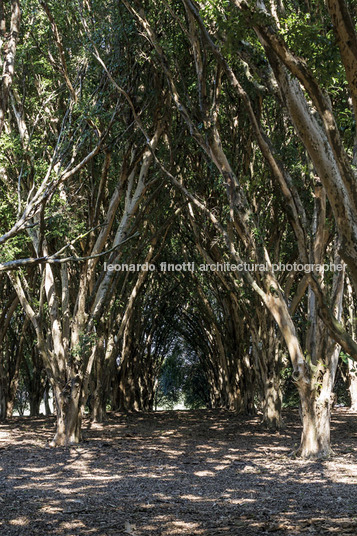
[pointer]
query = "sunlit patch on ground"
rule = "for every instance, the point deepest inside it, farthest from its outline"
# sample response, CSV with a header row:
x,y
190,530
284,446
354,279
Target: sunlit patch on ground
x,y
187,473
20,521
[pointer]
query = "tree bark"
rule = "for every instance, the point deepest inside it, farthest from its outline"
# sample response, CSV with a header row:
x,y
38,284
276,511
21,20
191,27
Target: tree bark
x,y
3,403
352,365
68,413
316,418
46,399
272,404
9,56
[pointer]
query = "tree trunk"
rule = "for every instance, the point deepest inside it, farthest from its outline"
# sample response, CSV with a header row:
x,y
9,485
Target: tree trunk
x,y
99,402
352,366
266,350
353,384
10,408
315,415
46,399
101,380
316,396
114,394
35,403
69,416
272,404
127,400
3,405
12,394
247,386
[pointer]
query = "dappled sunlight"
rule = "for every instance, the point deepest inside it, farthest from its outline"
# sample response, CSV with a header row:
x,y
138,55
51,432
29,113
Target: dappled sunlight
x,y
161,474
184,525
220,467
72,525
191,497
20,521
32,469
51,509
203,473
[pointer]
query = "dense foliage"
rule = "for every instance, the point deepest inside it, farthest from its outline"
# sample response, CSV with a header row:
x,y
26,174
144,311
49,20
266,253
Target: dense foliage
x,y
145,133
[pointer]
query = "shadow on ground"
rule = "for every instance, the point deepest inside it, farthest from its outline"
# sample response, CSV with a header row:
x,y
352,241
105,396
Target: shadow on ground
x,y
176,473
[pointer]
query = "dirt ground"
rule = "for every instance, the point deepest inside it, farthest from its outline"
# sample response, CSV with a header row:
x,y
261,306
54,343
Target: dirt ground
x,y
176,473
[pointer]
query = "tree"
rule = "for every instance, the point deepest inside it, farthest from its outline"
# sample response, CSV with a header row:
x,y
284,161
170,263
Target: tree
x,y
242,217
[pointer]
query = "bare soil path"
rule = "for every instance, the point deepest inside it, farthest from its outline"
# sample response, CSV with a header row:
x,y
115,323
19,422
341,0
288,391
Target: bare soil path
x,y
209,473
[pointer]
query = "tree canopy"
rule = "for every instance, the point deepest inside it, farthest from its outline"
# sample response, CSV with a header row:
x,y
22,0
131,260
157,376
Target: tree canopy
x,y
206,136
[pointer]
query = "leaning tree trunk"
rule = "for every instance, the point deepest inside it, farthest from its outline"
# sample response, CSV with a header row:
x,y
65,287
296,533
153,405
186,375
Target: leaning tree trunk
x,y
129,392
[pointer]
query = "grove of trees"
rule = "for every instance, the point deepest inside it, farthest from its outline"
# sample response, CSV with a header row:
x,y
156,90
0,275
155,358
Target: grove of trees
x,y
149,132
